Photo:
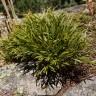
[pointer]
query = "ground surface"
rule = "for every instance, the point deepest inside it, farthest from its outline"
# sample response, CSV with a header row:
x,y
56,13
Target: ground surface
x,y
13,83
87,88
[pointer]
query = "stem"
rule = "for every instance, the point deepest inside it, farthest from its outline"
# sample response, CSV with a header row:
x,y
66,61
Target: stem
x,y
12,8
6,8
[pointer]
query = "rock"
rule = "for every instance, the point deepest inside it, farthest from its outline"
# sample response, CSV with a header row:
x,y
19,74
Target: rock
x,y
76,9
86,11
12,80
83,89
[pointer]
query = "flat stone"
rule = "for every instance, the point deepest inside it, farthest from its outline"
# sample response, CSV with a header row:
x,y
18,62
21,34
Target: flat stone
x,y
12,80
83,89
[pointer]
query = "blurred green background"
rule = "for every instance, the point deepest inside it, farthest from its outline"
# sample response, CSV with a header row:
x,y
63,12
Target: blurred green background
x,y
23,6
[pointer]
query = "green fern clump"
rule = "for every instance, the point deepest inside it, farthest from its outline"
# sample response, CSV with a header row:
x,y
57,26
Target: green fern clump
x,y
46,43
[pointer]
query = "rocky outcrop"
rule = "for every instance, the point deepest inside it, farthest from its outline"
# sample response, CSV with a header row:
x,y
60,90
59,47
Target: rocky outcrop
x,y
13,83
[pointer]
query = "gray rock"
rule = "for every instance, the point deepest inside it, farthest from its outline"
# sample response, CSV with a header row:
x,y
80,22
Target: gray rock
x,y
76,9
83,89
12,80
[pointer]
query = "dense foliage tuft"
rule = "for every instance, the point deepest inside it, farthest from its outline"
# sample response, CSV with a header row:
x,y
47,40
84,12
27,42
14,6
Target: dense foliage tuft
x,y
50,44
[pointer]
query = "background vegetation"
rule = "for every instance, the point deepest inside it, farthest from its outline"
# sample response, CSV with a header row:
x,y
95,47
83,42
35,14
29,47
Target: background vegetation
x,y
39,5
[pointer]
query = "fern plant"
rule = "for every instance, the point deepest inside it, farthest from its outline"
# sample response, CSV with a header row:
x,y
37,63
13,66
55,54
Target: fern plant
x,y
47,43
